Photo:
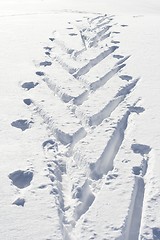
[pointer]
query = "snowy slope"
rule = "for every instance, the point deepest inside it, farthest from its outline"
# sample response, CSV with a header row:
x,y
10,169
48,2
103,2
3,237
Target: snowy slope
x,y
79,113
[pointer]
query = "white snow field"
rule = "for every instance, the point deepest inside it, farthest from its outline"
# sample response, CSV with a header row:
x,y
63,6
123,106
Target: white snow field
x,y
79,120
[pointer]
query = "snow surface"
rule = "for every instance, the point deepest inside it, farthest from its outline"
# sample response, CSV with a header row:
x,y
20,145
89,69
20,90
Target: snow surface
x,y
79,114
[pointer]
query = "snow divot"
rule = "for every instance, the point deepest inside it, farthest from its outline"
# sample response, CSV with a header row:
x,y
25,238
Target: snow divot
x,y
23,124
50,145
19,202
21,179
137,170
29,85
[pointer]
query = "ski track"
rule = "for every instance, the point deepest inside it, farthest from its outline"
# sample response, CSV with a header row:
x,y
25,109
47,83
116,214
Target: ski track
x,y
74,79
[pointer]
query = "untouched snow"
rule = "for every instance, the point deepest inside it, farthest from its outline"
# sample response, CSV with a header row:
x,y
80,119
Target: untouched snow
x,y
79,114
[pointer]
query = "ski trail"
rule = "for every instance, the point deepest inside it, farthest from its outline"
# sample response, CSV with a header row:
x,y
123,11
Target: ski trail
x,y
81,93
136,208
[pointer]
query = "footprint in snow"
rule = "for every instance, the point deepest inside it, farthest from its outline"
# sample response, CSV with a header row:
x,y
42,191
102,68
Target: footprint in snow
x,y
140,149
22,124
137,110
20,178
29,85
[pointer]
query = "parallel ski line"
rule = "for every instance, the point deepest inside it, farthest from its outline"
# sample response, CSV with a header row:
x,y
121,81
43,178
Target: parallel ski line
x,y
112,98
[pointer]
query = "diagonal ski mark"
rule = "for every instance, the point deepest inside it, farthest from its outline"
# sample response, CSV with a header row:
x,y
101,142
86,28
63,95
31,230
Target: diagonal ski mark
x,y
133,223
93,62
94,40
102,81
106,107
105,163
63,136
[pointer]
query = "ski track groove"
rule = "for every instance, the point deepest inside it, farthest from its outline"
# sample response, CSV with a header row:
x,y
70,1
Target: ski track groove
x,y
74,89
133,223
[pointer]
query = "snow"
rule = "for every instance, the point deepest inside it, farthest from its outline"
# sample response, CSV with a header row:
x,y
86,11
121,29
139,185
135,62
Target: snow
x,y
79,114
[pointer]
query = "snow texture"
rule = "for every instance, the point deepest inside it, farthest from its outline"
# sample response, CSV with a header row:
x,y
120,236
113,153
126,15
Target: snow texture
x,y
79,113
